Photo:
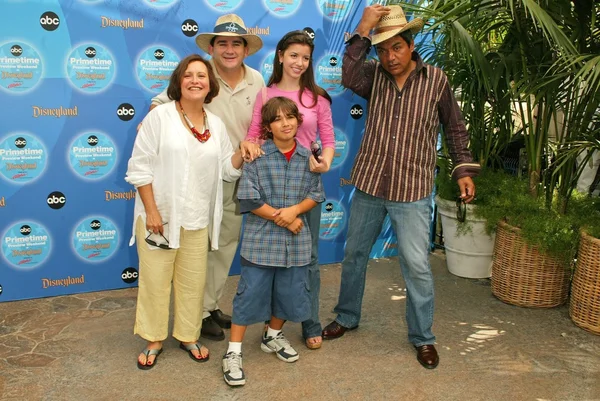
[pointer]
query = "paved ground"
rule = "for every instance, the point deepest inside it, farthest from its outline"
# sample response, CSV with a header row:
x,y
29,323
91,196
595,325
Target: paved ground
x,y
81,347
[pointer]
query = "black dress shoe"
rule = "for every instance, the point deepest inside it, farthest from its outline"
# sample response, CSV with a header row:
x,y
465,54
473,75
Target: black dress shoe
x,y
427,356
211,330
221,319
335,330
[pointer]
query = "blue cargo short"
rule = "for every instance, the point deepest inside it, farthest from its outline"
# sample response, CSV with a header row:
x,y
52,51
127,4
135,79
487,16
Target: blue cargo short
x,y
263,292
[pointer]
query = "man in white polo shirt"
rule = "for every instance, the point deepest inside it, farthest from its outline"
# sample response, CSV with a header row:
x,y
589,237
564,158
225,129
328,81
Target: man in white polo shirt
x,y
229,44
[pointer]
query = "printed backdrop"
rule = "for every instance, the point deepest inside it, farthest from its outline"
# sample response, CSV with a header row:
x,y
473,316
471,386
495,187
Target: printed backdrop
x,y
77,77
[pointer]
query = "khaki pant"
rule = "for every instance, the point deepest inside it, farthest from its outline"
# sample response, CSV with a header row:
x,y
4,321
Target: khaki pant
x,y
186,269
220,261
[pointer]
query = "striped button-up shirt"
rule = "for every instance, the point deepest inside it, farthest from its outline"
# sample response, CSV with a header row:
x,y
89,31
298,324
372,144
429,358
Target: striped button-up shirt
x,y
397,155
271,179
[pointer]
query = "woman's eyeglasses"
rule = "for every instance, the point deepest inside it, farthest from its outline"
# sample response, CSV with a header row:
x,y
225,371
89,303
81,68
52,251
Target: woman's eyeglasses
x,y
461,210
154,243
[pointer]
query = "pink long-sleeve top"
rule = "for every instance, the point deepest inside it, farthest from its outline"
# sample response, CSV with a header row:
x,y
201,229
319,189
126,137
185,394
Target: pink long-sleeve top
x,y
316,119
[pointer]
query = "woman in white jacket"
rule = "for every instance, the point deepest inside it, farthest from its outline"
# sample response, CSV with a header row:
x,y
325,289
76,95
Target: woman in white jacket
x,y
180,155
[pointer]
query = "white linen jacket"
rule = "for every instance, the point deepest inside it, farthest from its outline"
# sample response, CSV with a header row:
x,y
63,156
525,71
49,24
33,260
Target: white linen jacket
x,y
159,158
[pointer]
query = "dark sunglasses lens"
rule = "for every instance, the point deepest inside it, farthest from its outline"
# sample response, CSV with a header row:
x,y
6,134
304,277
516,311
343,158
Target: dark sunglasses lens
x,y
153,243
461,210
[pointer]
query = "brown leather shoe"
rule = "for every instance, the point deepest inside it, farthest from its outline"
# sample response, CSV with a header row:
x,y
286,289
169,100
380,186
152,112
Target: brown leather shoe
x,y
335,330
427,356
221,319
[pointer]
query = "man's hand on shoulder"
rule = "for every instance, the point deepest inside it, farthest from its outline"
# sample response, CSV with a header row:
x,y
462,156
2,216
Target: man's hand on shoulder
x,y
370,18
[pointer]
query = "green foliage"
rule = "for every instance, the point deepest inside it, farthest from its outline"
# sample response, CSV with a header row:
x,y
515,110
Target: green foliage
x,y
553,233
522,67
528,69
503,197
586,213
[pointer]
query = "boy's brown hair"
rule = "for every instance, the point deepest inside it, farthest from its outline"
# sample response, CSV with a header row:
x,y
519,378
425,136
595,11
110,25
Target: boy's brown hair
x,y
271,109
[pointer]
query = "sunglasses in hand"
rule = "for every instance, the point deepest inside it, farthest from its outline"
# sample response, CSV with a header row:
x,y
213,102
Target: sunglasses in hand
x,y
161,245
461,210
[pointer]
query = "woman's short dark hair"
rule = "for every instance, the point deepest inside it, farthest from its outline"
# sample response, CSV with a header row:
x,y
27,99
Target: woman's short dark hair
x,y
270,110
174,89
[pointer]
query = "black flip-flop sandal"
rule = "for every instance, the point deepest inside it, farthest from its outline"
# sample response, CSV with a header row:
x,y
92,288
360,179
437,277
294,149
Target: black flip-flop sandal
x,y
148,353
196,346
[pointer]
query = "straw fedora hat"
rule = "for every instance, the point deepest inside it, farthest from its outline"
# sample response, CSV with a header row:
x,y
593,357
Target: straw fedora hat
x,y
394,23
230,25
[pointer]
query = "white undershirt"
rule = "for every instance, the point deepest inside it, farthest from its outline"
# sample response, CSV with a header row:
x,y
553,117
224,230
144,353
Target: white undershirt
x,y
203,162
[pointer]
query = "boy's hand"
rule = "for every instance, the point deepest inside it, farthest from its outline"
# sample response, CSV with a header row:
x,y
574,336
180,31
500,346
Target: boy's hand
x,y
296,226
286,216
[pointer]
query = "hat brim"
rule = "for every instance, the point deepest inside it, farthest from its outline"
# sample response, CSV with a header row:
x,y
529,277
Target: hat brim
x,y
255,43
415,26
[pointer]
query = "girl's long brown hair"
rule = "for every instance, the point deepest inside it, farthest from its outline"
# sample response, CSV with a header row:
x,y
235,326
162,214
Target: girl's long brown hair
x,y
307,80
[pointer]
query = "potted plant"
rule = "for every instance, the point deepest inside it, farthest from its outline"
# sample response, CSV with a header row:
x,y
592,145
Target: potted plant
x,y
468,243
525,69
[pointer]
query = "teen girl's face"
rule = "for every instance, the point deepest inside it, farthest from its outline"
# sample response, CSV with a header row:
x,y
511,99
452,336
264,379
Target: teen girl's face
x,y
284,127
195,83
295,60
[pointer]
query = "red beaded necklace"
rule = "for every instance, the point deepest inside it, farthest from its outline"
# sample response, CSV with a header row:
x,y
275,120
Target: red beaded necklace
x,y
202,137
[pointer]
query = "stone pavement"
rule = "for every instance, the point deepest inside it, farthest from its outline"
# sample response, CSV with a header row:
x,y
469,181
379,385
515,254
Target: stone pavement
x,y
81,347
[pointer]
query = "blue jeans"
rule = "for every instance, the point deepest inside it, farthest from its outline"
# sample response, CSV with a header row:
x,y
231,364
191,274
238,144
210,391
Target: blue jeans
x,y
411,223
312,326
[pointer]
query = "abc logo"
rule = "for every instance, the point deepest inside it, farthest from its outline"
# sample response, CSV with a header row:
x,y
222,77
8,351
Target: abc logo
x,y
90,52
0,289
20,142
56,200
189,27
92,140
125,111
49,21
25,230
129,275
356,111
329,207
16,50
309,32
95,224
159,54
333,61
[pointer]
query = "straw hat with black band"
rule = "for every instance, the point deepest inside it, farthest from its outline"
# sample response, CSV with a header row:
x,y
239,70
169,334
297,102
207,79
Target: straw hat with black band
x,y
233,26
394,23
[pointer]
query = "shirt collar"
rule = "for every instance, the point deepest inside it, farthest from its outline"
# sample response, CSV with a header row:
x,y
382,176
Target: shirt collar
x,y
420,64
420,67
269,147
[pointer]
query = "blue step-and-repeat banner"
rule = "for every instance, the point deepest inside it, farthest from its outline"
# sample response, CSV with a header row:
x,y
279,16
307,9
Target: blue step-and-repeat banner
x,y
76,78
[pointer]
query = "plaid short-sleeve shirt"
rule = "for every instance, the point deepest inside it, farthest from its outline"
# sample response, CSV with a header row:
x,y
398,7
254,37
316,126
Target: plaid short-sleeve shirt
x,y
271,179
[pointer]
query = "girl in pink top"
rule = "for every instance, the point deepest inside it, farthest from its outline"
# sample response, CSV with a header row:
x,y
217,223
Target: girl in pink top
x,y
293,77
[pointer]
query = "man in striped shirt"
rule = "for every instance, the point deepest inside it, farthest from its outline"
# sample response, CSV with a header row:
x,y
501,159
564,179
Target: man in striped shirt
x,y
394,169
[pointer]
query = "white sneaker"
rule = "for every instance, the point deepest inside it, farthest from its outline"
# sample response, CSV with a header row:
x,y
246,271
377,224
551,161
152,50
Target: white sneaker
x,y
232,369
281,346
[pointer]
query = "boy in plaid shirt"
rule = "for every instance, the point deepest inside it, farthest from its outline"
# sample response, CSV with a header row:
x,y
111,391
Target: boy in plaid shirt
x,y
278,189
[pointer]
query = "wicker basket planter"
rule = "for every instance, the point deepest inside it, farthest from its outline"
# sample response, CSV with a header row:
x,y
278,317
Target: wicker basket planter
x,y
585,291
522,276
